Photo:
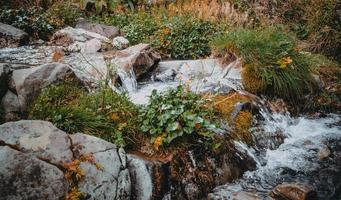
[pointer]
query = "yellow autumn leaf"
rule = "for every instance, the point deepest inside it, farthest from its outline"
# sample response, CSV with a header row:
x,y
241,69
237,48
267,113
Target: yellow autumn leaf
x,y
158,142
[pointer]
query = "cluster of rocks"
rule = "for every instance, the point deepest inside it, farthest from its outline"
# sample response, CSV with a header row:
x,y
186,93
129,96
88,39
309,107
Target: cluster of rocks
x,y
79,53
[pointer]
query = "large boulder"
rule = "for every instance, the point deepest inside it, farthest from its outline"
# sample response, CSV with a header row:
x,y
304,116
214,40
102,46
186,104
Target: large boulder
x,y
49,152
104,30
293,191
90,68
25,177
28,83
11,36
140,58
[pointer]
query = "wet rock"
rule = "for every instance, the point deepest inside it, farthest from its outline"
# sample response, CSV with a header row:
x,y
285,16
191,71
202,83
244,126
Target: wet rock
x,y
104,30
28,83
266,140
11,106
140,58
5,71
293,191
120,43
69,35
105,175
91,46
23,176
168,75
323,153
11,36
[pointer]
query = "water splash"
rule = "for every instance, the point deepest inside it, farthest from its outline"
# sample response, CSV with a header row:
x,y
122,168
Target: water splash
x,y
295,160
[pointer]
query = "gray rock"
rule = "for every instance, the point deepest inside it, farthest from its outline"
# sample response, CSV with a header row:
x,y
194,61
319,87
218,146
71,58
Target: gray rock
x,y
69,35
11,106
27,55
91,46
5,70
323,153
104,30
39,138
141,178
25,177
90,69
105,175
28,83
11,36
140,58
120,43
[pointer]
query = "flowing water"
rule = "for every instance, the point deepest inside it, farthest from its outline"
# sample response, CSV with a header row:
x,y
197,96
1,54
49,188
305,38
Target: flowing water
x,y
294,159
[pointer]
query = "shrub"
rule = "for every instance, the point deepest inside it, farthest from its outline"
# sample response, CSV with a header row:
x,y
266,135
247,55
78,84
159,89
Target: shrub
x,y
62,13
177,114
29,20
273,65
104,114
184,37
178,37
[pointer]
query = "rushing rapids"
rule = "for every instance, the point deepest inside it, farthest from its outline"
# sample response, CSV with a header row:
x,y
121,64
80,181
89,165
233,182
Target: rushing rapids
x,y
291,148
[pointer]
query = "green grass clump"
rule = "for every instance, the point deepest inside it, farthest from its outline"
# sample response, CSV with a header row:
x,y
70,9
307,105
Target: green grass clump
x,y
105,114
273,65
177,115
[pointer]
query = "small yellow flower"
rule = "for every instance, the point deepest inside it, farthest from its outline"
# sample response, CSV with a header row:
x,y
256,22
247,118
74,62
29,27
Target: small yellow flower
x,y
284,62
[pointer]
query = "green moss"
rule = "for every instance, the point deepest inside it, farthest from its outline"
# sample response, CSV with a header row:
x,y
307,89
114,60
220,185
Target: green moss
x,y
272,61
225,105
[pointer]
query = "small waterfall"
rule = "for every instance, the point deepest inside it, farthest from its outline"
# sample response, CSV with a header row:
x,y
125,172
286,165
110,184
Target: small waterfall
x,y
128,80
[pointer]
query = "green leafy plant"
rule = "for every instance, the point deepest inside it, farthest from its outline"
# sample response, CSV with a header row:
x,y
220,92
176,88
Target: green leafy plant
x,y
273,64
177,114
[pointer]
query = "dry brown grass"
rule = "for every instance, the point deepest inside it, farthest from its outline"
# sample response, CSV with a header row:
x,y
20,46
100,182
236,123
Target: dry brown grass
x,y
209,9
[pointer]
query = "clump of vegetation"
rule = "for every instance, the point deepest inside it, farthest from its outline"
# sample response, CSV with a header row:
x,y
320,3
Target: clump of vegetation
x,y
62,13
30,20
178,37
273,64
178,114
39,22
105,114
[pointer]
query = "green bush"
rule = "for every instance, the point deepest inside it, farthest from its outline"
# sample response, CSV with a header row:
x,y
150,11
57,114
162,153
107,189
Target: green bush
x,y
178,37
31,20
177,114
273,65
62,13
104,114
